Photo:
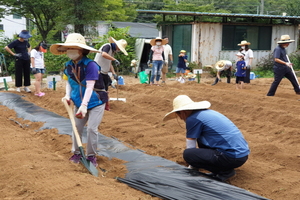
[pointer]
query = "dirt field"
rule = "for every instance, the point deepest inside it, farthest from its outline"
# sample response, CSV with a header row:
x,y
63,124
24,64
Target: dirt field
x,y
34,164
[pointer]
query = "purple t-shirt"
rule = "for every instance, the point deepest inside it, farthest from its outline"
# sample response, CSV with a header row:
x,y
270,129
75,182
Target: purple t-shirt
x,y
92,71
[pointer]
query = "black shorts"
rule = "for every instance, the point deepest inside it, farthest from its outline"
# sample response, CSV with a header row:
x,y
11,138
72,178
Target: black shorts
x,y
239,79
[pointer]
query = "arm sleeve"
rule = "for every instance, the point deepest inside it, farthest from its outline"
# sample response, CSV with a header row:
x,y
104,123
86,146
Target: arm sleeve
x,y
68,89
88,92
150,55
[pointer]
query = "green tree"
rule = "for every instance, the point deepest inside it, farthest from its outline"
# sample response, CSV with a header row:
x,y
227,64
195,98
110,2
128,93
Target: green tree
x,y
43,13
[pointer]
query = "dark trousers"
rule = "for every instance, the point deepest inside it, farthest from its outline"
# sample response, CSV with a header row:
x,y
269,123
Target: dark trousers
x,y
227,74
247,78
279,73
211,160
107,81
22,68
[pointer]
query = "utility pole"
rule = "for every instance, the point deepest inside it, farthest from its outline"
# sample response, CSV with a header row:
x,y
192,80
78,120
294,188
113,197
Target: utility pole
x,y
262,7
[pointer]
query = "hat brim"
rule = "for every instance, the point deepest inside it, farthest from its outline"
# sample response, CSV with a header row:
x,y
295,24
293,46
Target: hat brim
x,y
217,66
248,43
112,40
287,41
153,41
61,48
25,36
192,106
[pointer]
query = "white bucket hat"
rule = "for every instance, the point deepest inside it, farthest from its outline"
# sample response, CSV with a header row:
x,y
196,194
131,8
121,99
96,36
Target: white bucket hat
x,y
240,54
243,43
120,43
74,40
183,102
285,39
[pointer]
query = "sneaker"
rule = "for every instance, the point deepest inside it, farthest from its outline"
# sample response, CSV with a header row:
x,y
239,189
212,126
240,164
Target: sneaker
x,y
225,175
26,89
18,90
93,160
75,158
40,94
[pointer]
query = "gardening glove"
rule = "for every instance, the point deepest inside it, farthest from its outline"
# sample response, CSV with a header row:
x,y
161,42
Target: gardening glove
x,y
18,55
66,98
33,70
148,63
248,66
81,111
116,62
116,77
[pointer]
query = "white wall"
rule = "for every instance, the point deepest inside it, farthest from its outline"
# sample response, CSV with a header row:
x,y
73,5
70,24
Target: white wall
x,y
207,41
12,26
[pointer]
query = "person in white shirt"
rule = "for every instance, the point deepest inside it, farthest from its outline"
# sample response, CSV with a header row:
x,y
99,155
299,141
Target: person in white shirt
x,y
223,66
38,66
248,58
168,59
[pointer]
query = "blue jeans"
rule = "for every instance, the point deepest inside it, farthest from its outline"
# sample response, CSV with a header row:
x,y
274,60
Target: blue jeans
x,y
156,70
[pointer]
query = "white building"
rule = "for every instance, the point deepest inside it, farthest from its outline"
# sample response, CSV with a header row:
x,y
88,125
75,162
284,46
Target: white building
x,y
12,24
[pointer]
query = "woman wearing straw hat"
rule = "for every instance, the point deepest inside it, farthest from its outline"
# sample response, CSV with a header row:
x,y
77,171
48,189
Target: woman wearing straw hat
x,y
248,58
157,58
85,88
106,57
22,64
282,67
223,66
221,145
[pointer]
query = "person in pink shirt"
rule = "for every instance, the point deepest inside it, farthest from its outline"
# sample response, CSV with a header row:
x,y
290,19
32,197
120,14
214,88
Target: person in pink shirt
x,y
157,59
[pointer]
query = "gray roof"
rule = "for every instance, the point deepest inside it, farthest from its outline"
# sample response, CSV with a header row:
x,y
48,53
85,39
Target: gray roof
x,y
164,12
140,30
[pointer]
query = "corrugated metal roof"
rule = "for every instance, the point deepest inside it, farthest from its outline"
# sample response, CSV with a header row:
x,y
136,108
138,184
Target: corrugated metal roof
x,y
141,30
165,12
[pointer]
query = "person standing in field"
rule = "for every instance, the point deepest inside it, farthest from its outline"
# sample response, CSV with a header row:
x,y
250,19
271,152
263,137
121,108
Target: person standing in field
x,y
248,58
240,71
22,64
38,66
282,67
168,59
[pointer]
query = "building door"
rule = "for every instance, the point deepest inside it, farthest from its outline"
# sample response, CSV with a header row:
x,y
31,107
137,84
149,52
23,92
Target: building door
x,y
181,40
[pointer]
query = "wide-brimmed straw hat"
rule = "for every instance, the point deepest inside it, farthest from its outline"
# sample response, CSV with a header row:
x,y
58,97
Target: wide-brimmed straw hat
x,y
25,34
220,65
153,41
74,40
285,39
183,102
120,43
243,43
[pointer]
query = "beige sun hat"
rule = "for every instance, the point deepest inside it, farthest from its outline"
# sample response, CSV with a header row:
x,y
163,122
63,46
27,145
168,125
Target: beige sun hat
x,y
220,65
285,39
243,43
120,43
74,40
183,102
153,41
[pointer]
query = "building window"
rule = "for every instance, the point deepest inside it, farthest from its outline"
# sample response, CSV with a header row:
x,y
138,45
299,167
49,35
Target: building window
x,y
1,27
258,36
17,16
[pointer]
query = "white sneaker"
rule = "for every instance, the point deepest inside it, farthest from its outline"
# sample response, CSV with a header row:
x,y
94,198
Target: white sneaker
x,y
18,90
26,89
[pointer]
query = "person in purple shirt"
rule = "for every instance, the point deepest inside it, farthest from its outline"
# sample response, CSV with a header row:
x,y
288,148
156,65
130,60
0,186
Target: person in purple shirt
x,y
21,47
221,145
85,87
